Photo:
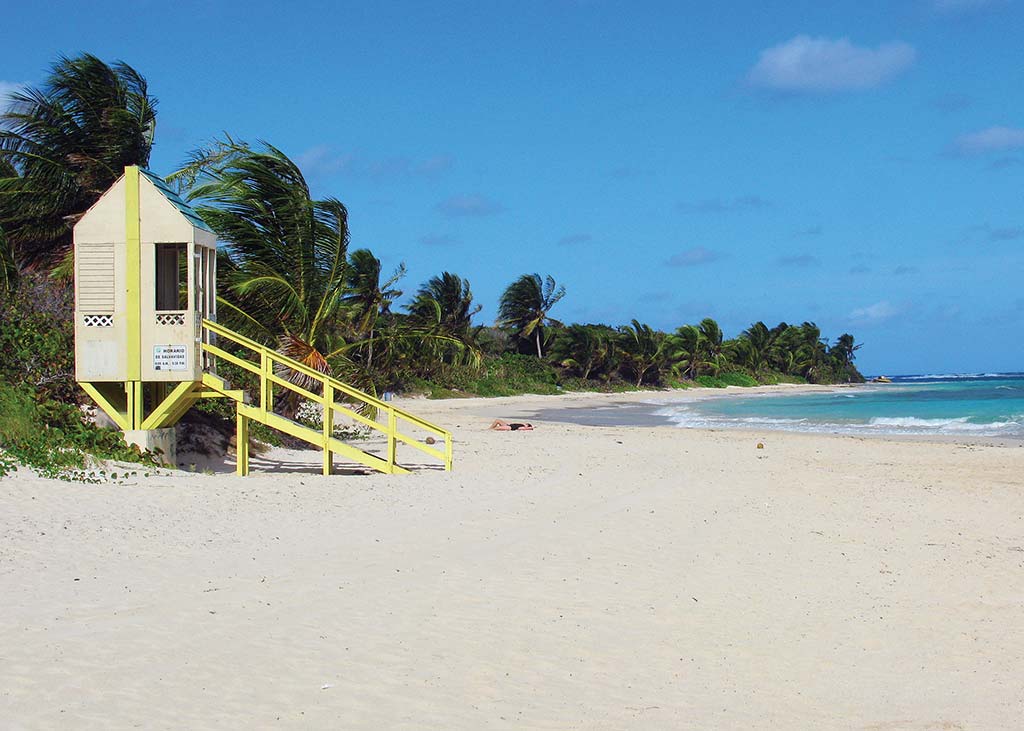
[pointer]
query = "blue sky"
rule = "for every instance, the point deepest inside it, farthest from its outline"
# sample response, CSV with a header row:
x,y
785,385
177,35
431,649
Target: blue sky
x,y
857,164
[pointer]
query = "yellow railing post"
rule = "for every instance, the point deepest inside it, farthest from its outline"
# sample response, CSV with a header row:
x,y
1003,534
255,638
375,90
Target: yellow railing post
x,y
266,387
328,427
241,444
392,441
263,366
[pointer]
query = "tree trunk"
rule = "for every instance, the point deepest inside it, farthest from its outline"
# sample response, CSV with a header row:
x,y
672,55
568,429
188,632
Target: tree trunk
x,y
537,333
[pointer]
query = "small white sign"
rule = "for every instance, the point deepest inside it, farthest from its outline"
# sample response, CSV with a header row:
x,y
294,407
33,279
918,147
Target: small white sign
x,y
170,357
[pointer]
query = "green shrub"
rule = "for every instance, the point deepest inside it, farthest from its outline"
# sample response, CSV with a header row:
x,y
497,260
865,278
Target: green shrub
x,y
737,379
773,379
722,380
507,375
679,383
591,385
37,338
53,439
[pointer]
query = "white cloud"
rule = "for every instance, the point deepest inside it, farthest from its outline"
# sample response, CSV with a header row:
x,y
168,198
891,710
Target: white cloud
x,y
806,64
878,312
469,205
993,139
693,257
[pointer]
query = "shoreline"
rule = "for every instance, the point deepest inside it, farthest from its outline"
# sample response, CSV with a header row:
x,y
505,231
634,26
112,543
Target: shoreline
x,y
540,407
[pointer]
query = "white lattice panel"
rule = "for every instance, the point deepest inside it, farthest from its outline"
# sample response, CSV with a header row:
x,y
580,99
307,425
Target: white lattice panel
x,y
170,318
98,320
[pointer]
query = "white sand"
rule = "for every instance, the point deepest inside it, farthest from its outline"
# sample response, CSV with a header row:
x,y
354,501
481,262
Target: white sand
x,y
568,578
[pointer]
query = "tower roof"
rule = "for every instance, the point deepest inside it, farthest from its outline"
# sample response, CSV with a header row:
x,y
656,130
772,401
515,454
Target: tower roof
x,y
175,200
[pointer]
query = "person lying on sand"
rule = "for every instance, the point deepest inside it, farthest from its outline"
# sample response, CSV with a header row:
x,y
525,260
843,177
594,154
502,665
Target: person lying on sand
x,y
500,425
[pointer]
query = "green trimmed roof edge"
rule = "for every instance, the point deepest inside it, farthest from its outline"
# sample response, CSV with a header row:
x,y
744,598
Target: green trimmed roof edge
x,y
175,200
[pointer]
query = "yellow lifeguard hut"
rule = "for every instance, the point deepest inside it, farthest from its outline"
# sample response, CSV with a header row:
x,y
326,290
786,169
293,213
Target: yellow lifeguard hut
x,y
146,333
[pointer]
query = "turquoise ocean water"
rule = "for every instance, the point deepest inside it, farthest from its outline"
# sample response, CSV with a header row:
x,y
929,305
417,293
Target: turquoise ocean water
x,y
984,404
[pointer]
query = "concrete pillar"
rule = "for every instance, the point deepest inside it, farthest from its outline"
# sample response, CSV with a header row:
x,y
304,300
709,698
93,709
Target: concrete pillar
x,y
161,442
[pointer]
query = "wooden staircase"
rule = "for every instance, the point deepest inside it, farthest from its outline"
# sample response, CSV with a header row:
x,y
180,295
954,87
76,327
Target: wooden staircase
x,y
269,365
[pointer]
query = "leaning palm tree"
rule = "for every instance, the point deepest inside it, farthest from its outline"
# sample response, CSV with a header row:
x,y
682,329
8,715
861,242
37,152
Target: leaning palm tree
x,y
689,353
712,343
812,354
284,271
446,301
842,355
757,347
367,298
646,351
586,349
8,262
525,305
284,276
8,266
63,145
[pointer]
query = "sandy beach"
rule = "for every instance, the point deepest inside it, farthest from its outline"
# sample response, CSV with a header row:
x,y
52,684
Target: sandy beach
x,y
573,577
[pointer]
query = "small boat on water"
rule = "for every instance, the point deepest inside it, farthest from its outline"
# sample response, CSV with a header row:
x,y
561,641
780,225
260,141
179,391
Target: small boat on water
x,y
881,379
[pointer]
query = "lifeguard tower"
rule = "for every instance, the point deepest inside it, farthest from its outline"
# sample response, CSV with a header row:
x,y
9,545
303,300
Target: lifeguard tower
x,y
146,337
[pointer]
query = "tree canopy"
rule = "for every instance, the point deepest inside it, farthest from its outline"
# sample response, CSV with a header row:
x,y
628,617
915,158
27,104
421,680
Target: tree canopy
x,y
525,305
62,145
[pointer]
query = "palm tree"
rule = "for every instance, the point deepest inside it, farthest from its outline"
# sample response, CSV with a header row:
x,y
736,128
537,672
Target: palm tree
x,y
843,355
585,349
63,145
712,341
8,266
757,347
688,351
446,302
285,278
812,353
367,297
284,272
8,260
646,351
525,305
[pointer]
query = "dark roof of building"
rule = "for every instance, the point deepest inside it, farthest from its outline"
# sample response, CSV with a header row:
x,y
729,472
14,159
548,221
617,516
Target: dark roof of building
x,y
175,200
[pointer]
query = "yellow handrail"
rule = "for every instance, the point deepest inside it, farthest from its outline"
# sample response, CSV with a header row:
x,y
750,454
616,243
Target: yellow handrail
x,y
330,386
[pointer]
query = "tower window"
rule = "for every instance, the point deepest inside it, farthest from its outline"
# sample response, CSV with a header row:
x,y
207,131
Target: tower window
x,y
171,277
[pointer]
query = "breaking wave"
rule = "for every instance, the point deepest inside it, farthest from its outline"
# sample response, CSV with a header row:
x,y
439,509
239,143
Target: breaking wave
x,y
954,376
687,417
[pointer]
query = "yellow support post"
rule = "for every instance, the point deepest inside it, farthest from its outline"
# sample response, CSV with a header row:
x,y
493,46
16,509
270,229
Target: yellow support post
x,y
266,387
328,427
164,413
448,453
241,444
133,275
392,441
134,402
103,402
137,417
